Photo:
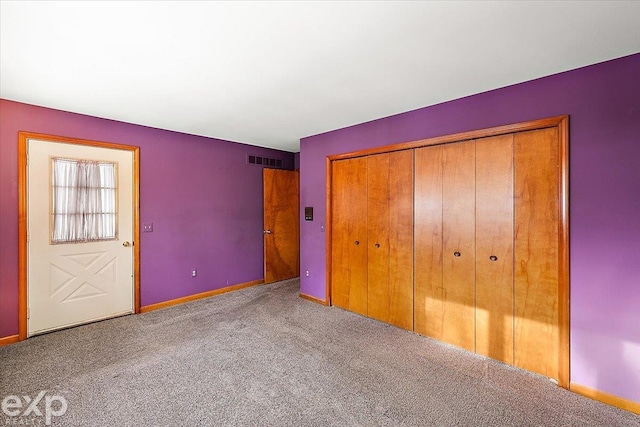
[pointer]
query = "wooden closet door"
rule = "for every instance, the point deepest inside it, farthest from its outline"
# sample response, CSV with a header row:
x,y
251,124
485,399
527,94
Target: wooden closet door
x,y
458,238
536,251
400,235
430,298
390,219
378,235
494,247
349,234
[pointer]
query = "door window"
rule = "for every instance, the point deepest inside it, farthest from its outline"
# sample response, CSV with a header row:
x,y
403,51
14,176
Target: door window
x,y
83,202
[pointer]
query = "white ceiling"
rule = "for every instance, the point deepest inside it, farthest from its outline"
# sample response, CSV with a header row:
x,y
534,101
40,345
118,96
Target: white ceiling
x,y
270,73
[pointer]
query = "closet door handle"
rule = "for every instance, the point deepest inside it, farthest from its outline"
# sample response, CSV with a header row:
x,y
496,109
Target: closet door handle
x,y
357,242
493,258
377,245
456,254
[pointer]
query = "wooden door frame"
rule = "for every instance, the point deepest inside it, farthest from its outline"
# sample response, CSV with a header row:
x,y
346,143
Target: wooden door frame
x,y
23,138
561,123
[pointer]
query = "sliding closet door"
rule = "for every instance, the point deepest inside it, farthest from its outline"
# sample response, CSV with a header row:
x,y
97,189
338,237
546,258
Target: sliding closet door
x,y
458,243
430,299
536,251
349,234
494,247
390,239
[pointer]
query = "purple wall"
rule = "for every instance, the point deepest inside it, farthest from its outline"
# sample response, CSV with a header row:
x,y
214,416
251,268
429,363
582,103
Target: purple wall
x,y
603,101
203,198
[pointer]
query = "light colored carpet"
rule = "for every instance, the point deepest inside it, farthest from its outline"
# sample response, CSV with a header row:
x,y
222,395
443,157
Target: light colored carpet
x,y
264,356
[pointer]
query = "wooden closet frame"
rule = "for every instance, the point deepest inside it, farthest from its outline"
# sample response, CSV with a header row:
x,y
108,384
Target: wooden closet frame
x,y
561,123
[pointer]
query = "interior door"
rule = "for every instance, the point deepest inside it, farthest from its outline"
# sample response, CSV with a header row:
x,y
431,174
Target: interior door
x,y
536,158
349,234
75,283
458,243
390,228
494,247
430,297
281,225
378,232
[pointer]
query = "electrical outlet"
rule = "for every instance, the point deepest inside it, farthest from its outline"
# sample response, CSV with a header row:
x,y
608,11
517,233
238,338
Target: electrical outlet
x,y
307,273
194,272
147,227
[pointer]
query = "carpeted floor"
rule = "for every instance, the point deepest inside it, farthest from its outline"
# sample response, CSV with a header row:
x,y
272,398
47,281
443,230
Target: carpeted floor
x,y
264,356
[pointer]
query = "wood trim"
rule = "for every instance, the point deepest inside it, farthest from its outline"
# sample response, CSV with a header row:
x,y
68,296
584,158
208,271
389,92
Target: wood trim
x,y
9,340
264,225
136,230
206,294
563,256
23,138
328,231
604,397
22,235
562,124
313,299
456,137
69,140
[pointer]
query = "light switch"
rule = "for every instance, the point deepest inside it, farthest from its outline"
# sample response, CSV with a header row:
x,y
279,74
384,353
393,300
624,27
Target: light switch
x,y
147,228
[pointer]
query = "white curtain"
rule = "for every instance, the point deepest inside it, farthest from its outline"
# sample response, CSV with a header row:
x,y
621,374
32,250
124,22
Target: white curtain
x,y
84,201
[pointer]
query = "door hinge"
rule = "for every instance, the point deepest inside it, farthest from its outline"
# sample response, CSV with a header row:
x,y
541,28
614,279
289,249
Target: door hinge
x,y
28,313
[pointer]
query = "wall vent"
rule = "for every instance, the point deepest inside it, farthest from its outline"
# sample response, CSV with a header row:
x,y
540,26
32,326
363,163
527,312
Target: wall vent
x,y
267,162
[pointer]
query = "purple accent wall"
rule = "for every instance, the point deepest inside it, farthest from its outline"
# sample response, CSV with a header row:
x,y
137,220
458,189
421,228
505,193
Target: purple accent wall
x,y
603,102
203,198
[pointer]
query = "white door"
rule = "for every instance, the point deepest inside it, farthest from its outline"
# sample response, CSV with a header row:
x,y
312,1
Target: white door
x,y
74,283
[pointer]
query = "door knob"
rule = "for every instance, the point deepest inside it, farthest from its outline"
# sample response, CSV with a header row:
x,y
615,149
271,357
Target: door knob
x,y
493,258
456,254
357,242
266,231
126,244
377,245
